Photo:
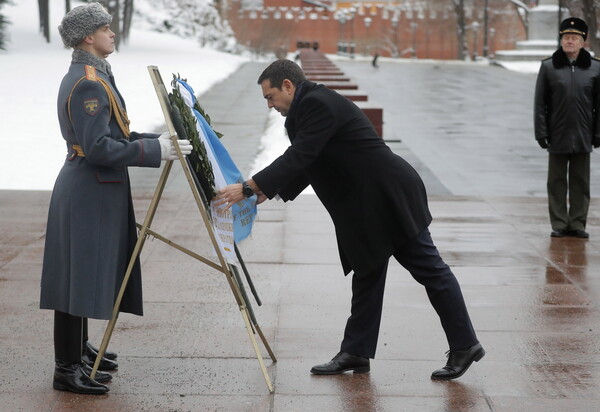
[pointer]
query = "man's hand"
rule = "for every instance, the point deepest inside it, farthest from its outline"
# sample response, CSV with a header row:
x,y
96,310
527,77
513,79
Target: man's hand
x,y
231,194
543,142
260,198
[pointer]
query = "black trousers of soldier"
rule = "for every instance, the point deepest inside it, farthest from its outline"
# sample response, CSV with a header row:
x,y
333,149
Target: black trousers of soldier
x,y
568,177
70,337
421,258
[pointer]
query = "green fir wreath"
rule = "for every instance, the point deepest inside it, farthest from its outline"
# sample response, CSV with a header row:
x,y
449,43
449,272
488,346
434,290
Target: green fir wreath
x,y
185,125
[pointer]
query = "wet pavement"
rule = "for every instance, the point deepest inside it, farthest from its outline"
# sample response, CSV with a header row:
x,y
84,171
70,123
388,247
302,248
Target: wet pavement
x,y
467,129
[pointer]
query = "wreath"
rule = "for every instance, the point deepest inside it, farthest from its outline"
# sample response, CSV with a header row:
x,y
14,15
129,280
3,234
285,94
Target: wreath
x,y
186,126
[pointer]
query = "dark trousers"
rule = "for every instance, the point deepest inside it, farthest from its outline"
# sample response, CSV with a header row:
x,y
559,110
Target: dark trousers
x,y
421,258
568,173
70,334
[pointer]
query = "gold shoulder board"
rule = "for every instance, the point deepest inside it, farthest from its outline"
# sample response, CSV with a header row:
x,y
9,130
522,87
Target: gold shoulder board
x,y
90,73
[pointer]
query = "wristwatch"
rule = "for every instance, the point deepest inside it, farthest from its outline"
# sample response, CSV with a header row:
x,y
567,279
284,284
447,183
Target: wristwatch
x,y
247,190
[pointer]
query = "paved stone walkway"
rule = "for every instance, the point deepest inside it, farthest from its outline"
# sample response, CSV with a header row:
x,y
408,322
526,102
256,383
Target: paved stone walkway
x,y
533,299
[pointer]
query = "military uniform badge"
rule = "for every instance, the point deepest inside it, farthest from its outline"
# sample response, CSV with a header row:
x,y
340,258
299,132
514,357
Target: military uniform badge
x,y
90,106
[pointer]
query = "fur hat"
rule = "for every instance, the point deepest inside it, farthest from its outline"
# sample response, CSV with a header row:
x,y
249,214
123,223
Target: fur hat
x,y
81,22
574,25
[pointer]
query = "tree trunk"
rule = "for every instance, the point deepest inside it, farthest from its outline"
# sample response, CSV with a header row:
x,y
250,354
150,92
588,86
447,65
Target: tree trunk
x,y
486,28
127,14
589,15
112,6
219,6
44,10
459,9
3,23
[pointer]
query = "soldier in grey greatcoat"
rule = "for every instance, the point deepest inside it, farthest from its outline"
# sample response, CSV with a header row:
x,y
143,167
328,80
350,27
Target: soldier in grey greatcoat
x,y
91,225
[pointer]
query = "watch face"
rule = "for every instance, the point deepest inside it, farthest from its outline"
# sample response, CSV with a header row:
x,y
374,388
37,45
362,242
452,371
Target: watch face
x,y
247,190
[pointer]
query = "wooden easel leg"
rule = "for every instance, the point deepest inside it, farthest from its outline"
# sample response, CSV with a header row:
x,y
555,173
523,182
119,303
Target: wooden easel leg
x,y
265,342
202,207
136,251
244,312
246,300
242,299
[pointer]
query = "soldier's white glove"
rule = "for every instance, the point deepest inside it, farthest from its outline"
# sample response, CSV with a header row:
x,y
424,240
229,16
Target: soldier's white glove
x,y
167,150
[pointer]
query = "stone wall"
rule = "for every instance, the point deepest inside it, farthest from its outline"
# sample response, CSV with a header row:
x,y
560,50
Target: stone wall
x,y
410,28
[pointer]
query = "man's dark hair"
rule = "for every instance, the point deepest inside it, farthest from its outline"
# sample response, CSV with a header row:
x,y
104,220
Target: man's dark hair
x,y
280,70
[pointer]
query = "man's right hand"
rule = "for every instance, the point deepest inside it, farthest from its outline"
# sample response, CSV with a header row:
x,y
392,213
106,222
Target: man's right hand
x,y
543,142
260,197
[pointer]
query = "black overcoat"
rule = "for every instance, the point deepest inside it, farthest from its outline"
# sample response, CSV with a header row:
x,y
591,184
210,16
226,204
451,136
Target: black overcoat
x,y
567,103
91,225
376,200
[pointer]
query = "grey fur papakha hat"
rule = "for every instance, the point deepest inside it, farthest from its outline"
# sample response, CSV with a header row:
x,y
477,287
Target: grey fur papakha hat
x,y
82,21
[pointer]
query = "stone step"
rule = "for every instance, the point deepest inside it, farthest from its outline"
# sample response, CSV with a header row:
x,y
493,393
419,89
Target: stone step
x,y
327,78
550,45
319,72
522,55
374,113
340,85
354,95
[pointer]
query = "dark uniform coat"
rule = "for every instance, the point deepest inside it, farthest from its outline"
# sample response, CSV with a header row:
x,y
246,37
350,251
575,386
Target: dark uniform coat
x,y
91,226
567,100
376,200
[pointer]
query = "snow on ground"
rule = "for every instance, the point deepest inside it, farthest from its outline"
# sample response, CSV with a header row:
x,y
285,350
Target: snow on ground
x,y
271,143
31,71
522,67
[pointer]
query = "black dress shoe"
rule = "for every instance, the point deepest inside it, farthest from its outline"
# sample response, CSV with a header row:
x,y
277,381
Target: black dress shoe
x,y
72,378
582,234
458,362
342,362
105,364
94,351
558,233
100,376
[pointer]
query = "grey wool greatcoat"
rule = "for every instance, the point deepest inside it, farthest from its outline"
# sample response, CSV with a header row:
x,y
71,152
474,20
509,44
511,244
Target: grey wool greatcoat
x,y
91,225
376,200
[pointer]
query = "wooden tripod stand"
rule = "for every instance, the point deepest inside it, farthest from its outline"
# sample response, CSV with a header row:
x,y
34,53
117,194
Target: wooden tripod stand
x,y
230,271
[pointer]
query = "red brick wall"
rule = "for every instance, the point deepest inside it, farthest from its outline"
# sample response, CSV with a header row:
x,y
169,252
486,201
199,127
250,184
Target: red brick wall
x,y
430,30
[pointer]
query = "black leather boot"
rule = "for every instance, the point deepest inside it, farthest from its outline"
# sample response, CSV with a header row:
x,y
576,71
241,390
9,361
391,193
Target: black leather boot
x,y
108,354
101,377
72,378
89,358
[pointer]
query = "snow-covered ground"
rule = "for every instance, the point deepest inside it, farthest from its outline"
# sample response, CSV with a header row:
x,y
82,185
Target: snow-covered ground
x,y
522,67
31,70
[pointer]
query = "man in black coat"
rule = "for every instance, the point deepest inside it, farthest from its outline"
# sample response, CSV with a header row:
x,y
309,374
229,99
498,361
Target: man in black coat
x,y
567,124
378,205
